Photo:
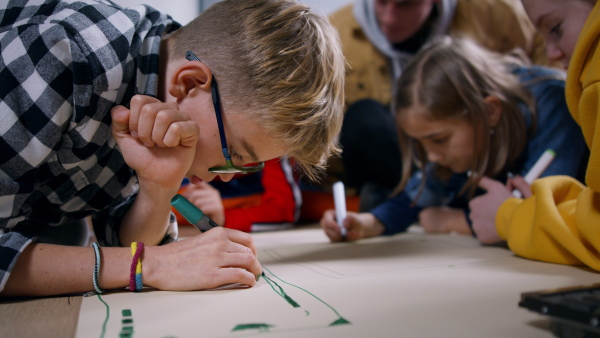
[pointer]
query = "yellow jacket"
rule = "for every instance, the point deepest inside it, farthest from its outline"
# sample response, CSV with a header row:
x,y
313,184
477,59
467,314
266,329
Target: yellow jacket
x,y
560,223
499,25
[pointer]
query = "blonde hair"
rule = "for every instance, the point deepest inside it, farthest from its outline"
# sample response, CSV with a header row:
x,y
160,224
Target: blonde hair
x,y
281,62
450,78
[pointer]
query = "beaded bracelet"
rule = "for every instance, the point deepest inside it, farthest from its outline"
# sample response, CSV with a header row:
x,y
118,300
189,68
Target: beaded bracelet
x,y
135,280
96,268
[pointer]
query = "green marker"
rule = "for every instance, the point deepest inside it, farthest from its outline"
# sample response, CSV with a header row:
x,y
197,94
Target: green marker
x,y
192,213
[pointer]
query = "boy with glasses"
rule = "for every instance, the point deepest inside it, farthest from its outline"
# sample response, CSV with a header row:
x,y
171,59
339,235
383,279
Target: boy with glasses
x,y
106,109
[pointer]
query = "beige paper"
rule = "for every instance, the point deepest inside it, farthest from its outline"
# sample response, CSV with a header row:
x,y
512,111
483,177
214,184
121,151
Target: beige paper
x,y
408,285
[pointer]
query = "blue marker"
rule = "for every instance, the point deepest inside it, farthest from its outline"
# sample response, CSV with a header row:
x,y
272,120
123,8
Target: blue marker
x,y
192,213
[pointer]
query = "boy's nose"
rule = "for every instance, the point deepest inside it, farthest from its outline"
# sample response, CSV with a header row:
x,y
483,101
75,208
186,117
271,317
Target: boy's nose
x,y
433,156
388,14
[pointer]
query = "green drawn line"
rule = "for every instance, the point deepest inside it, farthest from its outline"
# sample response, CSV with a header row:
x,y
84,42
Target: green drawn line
x,y
281,292
106,318
127,331
340,320
261,327
126,324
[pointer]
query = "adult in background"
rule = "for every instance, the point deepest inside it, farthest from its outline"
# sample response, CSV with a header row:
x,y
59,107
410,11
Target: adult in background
x,y
378,38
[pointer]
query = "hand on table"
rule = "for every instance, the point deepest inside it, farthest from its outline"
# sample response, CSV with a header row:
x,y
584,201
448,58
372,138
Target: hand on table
x,y
216,257
485,207
444,220
358,226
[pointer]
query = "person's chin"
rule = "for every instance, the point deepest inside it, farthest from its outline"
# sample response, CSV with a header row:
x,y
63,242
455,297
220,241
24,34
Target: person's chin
x,y
392,36
456,169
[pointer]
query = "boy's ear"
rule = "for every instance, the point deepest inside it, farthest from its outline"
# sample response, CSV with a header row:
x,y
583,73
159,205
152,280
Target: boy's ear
x,y
494,109
188,78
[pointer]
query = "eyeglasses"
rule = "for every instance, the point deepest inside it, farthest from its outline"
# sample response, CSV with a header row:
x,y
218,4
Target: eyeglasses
x,y
229,167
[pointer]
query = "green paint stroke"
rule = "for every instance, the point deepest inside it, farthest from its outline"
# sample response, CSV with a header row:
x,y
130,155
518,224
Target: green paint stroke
x,y
105,318
261,327
280,292
126,324
340,321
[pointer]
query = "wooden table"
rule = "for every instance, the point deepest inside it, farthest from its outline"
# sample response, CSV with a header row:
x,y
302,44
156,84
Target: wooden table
x,y
49,316
39,317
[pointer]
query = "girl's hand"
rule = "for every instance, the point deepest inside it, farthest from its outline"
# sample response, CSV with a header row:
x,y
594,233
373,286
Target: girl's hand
x,y
484,209
157,140
216,257
444,220
358,226
519,183
208,199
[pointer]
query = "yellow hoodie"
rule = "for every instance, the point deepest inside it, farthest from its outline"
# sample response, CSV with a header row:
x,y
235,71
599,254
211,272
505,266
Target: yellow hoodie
x,y
560,223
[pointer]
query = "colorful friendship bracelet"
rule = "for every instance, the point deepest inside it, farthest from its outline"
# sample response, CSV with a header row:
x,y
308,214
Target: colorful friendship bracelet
x,y
135,276
96,268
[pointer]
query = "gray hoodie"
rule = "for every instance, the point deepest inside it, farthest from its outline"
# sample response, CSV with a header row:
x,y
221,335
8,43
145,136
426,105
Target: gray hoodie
x,y
364,12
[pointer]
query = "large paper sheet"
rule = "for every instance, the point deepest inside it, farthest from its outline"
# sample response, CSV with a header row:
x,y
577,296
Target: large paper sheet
x,y
409,285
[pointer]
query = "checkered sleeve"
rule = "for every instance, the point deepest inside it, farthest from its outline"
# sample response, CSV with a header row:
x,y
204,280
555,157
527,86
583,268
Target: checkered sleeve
x,y
63,65
11,246
35,108
107,230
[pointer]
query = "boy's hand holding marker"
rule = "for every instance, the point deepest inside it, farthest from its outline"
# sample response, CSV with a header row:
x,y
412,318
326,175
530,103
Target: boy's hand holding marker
x,y
196,217
193,214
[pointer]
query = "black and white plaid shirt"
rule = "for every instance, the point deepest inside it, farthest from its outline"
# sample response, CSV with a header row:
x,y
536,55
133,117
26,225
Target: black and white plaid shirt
x,y
63,66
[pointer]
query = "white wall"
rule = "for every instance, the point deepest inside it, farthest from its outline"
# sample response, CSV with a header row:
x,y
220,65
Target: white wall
x,y
322,6
326,6
183,11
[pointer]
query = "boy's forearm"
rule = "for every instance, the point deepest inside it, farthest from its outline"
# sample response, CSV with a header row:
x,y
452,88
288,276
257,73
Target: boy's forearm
x,y
148,218
46,269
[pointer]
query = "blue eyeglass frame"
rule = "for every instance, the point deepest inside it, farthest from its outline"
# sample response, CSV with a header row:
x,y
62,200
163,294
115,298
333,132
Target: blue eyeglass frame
x,y
229,167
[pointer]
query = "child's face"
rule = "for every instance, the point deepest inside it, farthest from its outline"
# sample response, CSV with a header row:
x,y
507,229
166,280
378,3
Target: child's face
x,y
401,19
561,22
189,85
246,141
447,142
